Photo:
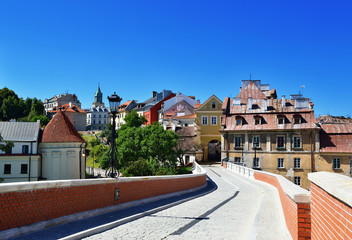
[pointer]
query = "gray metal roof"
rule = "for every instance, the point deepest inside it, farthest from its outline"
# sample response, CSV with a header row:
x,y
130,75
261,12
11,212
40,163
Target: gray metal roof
x,y
19,131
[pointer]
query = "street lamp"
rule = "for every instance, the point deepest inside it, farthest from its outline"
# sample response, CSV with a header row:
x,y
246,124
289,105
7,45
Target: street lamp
x,y
114,102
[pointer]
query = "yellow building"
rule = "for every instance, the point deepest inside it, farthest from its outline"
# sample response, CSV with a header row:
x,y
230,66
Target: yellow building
x,y
208,119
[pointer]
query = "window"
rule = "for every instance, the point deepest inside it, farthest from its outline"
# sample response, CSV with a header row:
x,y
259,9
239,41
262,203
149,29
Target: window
x,y
214,120
257,121
238,121
93,115
187,159
25,149
280,141
104,116
256,163
24,168
99,116
256,141
280,163
204,120
104,121
99,122
238,141
7,169
280,120
296,163
93,121
336,163
237,159
297,180
213,105
297,120
297,142
220,120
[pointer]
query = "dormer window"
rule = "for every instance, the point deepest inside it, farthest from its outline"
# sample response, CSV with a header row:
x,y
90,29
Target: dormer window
x,y
213,105
238,121
257,120
280,120
297,119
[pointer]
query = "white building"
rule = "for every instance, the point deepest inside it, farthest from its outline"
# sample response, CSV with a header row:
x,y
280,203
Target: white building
x,y
98,115
62,150
23,162
60,99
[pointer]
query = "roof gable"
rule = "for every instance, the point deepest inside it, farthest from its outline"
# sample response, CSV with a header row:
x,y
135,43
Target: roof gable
x,y
251,91
60,129
206,106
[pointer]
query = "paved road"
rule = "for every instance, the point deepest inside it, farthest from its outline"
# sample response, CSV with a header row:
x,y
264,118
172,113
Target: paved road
x,y
238,209
235,208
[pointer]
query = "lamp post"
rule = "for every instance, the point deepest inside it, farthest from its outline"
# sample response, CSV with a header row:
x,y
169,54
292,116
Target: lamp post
x,y
114,102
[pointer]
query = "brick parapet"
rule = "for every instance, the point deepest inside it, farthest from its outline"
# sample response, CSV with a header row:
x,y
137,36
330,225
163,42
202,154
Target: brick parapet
x,y
27,203
331,206
295,201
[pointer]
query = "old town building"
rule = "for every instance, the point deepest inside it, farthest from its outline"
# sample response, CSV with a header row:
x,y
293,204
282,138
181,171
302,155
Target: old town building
x,y
75,114
208,118
59,100
98,114
275,135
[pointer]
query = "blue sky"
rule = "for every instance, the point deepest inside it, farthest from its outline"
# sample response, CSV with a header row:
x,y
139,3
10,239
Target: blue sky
x,y
196,47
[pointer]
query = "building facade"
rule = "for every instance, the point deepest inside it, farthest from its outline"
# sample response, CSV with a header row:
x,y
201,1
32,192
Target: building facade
x,y
98,115
274,135
208,119
61,99
75,114
22,162
62,150
124,110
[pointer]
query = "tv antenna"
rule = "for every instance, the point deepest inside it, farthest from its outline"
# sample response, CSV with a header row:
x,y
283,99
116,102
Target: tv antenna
x,y
302,86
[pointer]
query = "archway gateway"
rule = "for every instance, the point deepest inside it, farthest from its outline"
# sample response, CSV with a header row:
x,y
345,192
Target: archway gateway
x,y
214,151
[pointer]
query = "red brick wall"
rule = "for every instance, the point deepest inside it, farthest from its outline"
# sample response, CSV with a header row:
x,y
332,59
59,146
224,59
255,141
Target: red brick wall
x,y
26,207
297,215
331,218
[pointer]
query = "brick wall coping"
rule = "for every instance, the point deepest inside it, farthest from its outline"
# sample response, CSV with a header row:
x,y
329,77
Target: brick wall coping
x,y
296,193
30,186
338,185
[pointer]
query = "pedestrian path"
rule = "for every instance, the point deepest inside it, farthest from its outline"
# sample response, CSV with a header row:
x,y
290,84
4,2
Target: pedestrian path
x,y
234,208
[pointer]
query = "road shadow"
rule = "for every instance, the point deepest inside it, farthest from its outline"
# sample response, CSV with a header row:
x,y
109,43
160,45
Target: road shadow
x,y
67,229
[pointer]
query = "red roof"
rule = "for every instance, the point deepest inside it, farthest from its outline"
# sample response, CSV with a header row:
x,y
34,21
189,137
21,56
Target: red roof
x,y
66,108
124,105
60,129
336,137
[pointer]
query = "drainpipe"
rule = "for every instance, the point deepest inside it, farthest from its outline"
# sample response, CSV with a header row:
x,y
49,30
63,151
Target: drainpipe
x,y
29,164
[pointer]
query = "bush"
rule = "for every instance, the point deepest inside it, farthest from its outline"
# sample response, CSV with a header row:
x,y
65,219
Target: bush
x,y
138,168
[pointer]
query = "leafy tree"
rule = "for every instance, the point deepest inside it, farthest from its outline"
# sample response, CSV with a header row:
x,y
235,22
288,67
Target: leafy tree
x,y
133,120
7,146
10,108
94,142
107,133
44,120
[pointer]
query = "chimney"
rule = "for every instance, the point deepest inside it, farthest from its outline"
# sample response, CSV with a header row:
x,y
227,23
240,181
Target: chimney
x,y
249,103
283,101
70,104
154,94
266,105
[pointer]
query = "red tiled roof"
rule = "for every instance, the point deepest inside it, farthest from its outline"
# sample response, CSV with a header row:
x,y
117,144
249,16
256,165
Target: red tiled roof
x,y
336,137
67,108
60,129
197,105
124,105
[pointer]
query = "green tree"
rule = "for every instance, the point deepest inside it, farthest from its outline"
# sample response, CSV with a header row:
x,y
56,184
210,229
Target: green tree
x,y
133,120
7,146
107,133
94,142
44,120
